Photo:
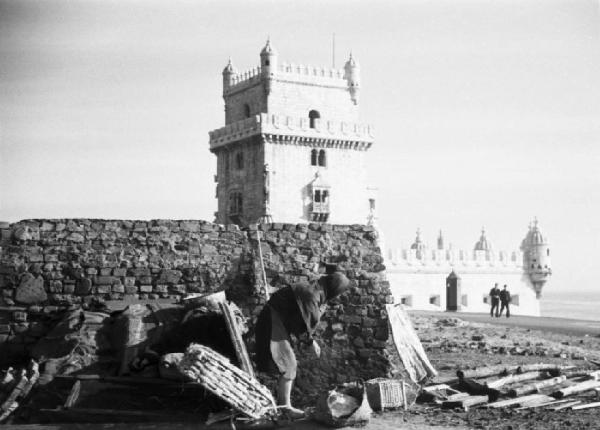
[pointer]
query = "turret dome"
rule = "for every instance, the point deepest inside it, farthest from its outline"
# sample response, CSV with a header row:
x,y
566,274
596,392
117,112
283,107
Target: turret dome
x,y
483,244
418,243
268,49
229,68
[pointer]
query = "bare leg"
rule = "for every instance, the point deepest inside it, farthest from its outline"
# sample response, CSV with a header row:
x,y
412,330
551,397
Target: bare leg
x,y
284,394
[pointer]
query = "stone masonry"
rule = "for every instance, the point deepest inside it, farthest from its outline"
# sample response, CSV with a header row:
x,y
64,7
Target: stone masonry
x,y
50,266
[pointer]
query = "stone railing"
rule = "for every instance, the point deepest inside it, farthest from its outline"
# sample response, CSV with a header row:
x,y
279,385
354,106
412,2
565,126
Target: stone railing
x,y
289,72
293,126
446,258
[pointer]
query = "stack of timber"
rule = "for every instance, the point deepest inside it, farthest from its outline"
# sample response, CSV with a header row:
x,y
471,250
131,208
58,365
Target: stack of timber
x,y
541,385
15,389
214,371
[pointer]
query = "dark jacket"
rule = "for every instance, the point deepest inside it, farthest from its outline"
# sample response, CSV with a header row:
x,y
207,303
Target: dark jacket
x,y
495,293
299,308
505,296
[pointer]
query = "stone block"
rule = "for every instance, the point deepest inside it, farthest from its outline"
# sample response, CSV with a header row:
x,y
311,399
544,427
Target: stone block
x,y
103,289
145,288
68,288
83,286
76,237
120,271
31,290
4,328
106,271
105,280
19,316
118,288
129,281
130,289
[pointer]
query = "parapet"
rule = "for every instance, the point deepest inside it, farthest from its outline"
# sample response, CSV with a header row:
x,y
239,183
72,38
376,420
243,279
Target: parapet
x,y
361,135
288,72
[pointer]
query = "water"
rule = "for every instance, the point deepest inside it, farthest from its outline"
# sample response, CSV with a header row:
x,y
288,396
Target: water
x,y
583,305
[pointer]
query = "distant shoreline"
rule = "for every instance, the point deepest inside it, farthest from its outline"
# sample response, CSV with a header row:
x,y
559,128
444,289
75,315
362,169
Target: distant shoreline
x,y
543,323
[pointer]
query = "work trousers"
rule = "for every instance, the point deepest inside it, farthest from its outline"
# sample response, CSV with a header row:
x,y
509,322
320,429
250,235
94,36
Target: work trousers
x,y
505,305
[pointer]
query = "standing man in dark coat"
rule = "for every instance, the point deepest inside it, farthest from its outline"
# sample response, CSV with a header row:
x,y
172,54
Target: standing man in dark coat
x,y
293,310
504,301
495,296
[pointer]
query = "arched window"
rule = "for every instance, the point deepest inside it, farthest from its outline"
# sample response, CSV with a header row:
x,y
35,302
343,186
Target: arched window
x,y
239,160
236,203
322,158
246,110
548,252
313,115
313,157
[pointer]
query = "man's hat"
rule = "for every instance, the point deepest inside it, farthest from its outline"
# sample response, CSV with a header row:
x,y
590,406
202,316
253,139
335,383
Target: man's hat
x,y
335,284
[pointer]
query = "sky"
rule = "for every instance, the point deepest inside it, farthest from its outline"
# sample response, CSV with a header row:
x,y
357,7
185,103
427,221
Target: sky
x,y
487,112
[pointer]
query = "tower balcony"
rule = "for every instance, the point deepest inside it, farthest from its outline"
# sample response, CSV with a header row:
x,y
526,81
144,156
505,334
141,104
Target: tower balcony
x,y
297,130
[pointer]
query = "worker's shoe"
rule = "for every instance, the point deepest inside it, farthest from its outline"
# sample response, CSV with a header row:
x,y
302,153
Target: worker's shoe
x,y
292,413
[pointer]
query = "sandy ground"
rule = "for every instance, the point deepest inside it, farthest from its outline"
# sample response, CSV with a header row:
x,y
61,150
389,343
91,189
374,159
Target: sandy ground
x,y
465,341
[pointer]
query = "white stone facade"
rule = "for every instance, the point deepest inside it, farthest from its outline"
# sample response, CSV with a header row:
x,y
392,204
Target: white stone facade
x,y
419,276
292,148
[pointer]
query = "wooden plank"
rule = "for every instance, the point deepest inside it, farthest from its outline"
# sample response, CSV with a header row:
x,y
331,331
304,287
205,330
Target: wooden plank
x,y
542,366
545,404
510,379
484,372
236,338
465,402
536,386
586,406
521,401
408,345
576,388
565,405
73,395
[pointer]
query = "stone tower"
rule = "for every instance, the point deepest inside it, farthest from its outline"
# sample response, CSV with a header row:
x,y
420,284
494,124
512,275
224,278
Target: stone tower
x,y
292,149
536,257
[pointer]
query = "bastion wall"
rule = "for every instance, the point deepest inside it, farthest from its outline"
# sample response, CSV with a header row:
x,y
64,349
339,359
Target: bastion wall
x,y
50,266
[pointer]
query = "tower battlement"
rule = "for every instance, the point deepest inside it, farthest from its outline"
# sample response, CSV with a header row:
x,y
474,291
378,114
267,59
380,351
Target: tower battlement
x,y
335,133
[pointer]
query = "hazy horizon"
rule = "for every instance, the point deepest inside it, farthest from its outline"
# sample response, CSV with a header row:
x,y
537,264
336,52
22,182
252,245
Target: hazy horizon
x,y
487,113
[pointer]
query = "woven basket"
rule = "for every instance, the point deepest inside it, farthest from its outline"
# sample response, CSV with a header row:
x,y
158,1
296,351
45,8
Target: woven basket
x,y
386,393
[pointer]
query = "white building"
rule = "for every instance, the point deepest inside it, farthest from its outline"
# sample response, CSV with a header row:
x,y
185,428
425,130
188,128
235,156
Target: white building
x,y
441,278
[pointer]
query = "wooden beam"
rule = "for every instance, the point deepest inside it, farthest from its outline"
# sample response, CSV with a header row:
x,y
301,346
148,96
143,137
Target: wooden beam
x,y
465,402
510,379
73,395
586,406
576,388
536,387
521,401
565,405
236,338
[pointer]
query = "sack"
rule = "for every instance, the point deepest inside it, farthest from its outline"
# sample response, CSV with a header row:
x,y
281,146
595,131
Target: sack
x,y
345,405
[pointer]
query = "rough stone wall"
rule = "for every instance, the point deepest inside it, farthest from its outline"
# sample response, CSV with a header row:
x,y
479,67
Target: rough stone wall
x,y
48,266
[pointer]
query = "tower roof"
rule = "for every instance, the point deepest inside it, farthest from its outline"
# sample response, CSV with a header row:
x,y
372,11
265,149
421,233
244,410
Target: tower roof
x,y
229,67
351,61
483,244
534,235
268,49
418,243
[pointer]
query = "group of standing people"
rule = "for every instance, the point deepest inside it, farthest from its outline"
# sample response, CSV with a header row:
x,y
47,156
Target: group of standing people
x,y
500,299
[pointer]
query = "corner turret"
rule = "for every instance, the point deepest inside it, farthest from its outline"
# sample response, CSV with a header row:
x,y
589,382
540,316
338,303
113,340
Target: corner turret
x,y
483,244
228,74
440,242
268,64
536,257
352,76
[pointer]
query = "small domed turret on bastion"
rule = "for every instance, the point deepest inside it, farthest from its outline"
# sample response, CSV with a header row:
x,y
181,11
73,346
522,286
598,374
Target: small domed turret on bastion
x,y
536,257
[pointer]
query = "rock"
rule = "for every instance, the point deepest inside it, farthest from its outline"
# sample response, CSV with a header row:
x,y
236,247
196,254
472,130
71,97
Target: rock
x,y
31,290
83,287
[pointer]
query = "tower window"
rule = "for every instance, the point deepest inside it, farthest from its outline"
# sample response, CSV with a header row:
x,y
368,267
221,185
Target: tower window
x,y
239,160
236,203
267,63
313,116
313,157
322,158
548,252
246,110
226,162
320,205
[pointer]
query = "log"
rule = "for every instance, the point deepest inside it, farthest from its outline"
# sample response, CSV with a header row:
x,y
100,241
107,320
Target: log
x,y
484,372
408,345
513,378
34,375
236,338
536,386
465,402
586,406
545,404
15,392
542,366
529,400
73,395
576,388
565,405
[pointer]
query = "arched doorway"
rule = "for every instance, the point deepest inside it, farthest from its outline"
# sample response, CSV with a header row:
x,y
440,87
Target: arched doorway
x,y
453,296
